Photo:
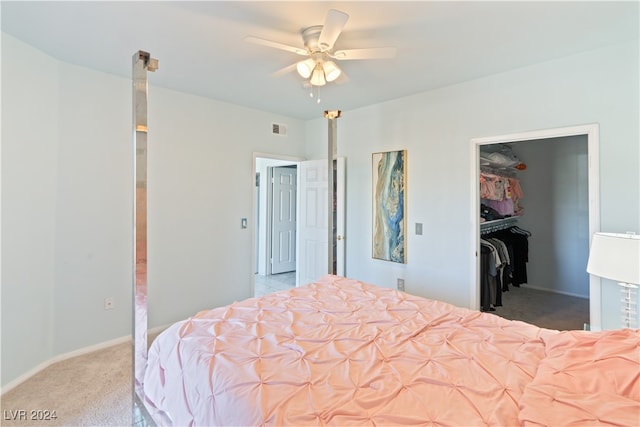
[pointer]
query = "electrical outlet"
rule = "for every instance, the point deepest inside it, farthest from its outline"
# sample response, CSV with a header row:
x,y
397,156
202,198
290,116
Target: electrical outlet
x,y
108,303
401,284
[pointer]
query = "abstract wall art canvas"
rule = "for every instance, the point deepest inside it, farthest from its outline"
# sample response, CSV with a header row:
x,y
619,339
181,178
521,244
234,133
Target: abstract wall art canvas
x,y
389,205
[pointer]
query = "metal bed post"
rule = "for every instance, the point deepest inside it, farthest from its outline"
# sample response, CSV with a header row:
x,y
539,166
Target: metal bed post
x,y
142,62
331,116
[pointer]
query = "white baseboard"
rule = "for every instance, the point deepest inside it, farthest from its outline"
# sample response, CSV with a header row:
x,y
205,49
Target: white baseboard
x,y
553,291
157,329
82,351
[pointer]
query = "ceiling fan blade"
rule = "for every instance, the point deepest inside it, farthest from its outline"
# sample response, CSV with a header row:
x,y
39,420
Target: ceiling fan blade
x,y
371,53
285,70
342,79
333,25
281,46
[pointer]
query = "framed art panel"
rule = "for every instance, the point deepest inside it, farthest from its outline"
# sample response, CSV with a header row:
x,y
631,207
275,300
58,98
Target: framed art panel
x,y
388,171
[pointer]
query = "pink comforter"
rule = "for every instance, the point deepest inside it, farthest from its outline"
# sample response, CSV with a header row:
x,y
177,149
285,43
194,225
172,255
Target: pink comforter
x,y
341,352
586,379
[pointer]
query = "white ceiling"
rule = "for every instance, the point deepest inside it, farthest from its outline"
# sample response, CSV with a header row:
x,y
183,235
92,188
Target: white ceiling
x,y
201,49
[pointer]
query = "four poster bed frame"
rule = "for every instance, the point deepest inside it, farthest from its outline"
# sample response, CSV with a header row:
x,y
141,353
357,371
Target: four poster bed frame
x,y
342,352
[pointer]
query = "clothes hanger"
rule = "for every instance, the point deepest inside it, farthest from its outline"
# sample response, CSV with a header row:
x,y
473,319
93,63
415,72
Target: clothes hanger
x,y
516,229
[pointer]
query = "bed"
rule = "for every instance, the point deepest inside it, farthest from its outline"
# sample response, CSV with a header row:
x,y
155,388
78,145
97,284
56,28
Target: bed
x,y
342,352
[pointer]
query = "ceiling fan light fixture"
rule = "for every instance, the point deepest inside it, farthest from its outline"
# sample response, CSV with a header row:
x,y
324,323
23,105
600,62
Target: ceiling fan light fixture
x,y
331,71
317,78
305,68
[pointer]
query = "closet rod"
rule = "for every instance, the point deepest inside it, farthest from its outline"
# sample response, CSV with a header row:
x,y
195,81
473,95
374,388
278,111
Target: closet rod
x,y
498,224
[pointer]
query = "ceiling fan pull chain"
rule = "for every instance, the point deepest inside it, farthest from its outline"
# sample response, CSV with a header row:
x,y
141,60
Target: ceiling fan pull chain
x,y
317,95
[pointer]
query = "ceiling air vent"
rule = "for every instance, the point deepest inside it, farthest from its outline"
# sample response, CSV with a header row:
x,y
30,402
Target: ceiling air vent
x,y
278,129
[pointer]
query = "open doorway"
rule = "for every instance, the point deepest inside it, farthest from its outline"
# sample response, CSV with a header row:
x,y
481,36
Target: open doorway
x,y
582,143
311,228
275,225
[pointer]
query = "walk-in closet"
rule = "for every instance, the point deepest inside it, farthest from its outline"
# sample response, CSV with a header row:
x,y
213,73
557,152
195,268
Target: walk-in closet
x,y
534,228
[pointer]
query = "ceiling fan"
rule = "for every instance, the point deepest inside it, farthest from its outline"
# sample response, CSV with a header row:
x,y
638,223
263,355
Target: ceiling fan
x,y
319,41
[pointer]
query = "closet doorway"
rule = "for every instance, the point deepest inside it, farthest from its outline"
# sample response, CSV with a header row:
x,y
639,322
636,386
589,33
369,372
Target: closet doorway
x,y
564,185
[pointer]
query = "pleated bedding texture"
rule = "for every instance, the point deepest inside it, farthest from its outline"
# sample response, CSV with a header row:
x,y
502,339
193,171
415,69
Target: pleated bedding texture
x,y
342,352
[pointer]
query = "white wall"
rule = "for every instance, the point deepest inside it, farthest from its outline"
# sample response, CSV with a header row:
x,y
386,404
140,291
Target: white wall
x,y
67,204
436,127
92,244
200,185
29,203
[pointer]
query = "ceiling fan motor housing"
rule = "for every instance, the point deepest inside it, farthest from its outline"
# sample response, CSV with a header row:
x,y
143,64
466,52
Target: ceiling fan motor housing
x,y
311,36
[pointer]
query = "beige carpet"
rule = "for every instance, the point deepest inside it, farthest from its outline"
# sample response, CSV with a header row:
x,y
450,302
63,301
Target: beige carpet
x,y
95,389
544,309
89,390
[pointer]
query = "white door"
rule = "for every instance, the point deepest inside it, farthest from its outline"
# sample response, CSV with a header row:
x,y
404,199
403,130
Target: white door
x,y
283,240
313,238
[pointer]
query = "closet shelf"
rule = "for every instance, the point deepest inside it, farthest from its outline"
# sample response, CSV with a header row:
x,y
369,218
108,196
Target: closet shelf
x,y
510,172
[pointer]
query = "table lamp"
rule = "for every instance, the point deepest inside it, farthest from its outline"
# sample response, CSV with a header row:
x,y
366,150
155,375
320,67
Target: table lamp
x,y
617,257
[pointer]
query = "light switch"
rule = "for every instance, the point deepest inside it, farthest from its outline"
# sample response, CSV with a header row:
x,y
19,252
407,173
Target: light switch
x,y
419,228
243,223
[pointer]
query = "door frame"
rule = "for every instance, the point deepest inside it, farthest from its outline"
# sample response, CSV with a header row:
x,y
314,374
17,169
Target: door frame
x,y
254,203
592,132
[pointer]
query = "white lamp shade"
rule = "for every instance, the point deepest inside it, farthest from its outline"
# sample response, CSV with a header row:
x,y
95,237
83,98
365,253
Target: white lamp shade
x,y
331,71
317,78
305,68
615,257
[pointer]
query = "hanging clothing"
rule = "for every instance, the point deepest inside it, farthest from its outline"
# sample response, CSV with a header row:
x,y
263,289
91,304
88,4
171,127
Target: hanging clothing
x,y
504,256
504,207
504,252
501,193
488,285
